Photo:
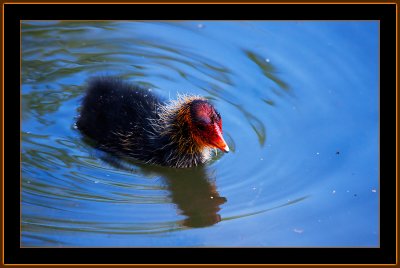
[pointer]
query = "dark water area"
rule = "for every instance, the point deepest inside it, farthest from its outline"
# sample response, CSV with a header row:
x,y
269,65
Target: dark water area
x,y
299,102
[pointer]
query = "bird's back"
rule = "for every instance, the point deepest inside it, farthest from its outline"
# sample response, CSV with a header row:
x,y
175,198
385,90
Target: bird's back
x,y
116,114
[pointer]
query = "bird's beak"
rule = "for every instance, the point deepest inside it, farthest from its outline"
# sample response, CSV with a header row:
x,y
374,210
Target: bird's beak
x,y
223,146
219,141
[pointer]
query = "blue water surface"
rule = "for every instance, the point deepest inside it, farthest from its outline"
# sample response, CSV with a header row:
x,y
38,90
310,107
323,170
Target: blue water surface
x,y
299,102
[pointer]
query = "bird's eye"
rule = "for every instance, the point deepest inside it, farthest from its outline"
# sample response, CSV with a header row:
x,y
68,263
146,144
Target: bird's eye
x,y
218,115
201,127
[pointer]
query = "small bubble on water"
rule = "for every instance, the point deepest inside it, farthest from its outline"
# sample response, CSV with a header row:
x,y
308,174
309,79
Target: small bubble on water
x,y
200,26
261,159
96,181
334,192
254,188
108,175
267,60
75,126
28,182
317,153
373,190
299,231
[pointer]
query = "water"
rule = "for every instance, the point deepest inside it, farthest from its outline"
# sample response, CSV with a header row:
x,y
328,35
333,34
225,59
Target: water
x,y
299,102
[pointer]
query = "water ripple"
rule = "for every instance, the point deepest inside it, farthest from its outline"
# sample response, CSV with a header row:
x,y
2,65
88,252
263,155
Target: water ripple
x,y
70,186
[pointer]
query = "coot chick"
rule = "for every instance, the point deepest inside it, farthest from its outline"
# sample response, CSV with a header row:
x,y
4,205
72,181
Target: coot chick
x,y
128,120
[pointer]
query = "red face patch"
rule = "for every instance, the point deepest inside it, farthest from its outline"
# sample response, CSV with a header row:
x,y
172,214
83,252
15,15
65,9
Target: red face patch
x,y
207,125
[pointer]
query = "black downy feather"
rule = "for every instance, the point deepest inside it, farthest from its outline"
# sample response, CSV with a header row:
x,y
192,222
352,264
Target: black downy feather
x,y
122,118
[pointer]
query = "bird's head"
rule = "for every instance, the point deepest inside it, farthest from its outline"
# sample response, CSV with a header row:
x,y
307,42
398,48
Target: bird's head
x,y
206,125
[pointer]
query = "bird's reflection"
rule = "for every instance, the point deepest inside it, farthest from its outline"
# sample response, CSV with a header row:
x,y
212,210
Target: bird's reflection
x,y
193,190
195,194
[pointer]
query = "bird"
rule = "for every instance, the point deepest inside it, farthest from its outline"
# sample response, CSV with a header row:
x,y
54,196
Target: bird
x,y
126,119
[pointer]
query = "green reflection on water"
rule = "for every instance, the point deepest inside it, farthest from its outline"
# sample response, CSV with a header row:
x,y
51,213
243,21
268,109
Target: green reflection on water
x,y
297,200
48,100
269,102
267,69
256,124
43,224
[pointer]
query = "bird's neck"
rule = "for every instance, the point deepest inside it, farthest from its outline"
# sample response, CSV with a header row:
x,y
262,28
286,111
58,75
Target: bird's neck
x,y
180,131
177,132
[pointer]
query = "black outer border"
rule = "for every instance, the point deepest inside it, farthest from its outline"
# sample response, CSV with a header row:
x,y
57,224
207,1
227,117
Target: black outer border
x,y
386,13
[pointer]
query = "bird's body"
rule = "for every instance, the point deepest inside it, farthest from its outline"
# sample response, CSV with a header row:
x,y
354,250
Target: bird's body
x,y
128,120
